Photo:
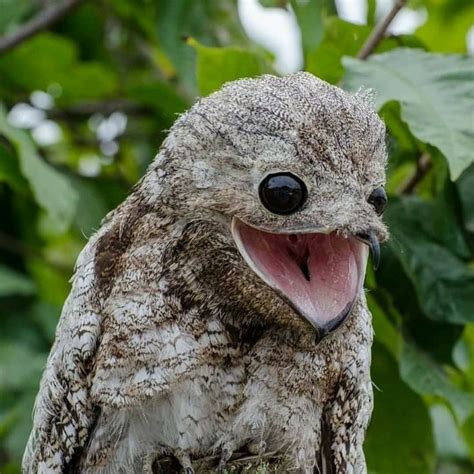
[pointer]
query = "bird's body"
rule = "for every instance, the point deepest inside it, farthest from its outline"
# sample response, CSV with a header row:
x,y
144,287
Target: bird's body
x,y
172,343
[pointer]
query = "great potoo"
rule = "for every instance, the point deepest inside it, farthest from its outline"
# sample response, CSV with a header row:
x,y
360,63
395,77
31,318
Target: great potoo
x,y
220,307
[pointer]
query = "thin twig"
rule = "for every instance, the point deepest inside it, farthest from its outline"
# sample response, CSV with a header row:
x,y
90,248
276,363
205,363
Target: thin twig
x,y
423,165
44,19
379,31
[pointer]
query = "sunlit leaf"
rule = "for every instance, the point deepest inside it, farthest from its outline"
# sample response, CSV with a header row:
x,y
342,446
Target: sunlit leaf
x,y
216,66
444,16
435,92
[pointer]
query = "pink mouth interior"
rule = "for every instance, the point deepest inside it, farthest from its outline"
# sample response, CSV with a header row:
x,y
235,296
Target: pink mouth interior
x,y
318,274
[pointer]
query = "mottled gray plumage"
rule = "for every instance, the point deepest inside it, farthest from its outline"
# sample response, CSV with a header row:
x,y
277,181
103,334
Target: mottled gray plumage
x,y
169,343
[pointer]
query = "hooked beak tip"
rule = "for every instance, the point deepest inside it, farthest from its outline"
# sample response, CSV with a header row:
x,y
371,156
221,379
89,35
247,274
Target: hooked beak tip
x,y
370,238
374,246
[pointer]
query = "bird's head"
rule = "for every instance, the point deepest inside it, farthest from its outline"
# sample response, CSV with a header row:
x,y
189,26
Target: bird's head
x,y
294,168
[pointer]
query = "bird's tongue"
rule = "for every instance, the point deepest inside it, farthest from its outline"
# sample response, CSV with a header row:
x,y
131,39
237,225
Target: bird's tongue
x,y
318,274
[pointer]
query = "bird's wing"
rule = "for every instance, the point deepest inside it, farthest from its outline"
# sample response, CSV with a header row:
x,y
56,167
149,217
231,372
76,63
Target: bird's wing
x,y
117,343
63,411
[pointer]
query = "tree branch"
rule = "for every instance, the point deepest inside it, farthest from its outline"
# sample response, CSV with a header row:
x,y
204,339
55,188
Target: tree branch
x,y
379,31
44,19
423,165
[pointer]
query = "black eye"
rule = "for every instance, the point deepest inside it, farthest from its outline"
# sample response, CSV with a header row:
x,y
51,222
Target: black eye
x,y
378,199
282,193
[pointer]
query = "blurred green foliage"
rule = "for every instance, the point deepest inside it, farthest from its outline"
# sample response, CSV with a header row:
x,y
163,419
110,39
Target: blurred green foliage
x,y
118,71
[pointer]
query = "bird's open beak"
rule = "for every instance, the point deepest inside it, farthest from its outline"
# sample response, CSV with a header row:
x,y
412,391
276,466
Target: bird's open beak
x,y
320,275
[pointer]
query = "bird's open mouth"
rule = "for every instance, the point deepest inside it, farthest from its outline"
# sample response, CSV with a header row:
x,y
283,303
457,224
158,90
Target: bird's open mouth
x,y
319,275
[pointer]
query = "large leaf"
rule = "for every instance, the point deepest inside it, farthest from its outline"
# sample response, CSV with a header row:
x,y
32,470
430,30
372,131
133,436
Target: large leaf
x,y
435,92
427,378
444,283
52,191
399,434
216,66
342,38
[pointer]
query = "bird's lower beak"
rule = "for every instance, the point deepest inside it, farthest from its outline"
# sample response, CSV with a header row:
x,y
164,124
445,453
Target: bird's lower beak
x,y
319,275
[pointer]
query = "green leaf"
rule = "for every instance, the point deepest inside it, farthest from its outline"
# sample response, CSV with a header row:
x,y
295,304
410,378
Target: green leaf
x,y
52,191
342,38
216,66
14,283
447,217
466,194
16,424
46,316
20,367
309,14
426,378
441,17
385,332
212,22
435,92
444,284
159,95
51,284
468,434
87,81
449,441
273,3
91,207
399,433
10,171
50,59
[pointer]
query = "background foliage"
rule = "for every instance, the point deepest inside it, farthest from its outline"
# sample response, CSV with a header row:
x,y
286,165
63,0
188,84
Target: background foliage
x,y
118,71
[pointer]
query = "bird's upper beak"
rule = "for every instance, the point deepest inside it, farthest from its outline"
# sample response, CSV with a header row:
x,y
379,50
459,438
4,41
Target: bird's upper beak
x,y
319,274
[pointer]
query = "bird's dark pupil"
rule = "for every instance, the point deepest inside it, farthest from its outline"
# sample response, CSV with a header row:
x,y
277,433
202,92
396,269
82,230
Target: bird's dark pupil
x,y
282,193
378,199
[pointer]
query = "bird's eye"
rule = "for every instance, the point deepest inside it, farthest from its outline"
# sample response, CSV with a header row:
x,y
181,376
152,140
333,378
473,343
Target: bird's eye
x,y
378,199
282,193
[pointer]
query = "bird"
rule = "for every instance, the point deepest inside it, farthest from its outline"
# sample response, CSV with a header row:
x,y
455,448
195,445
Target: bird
x,y
220,307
